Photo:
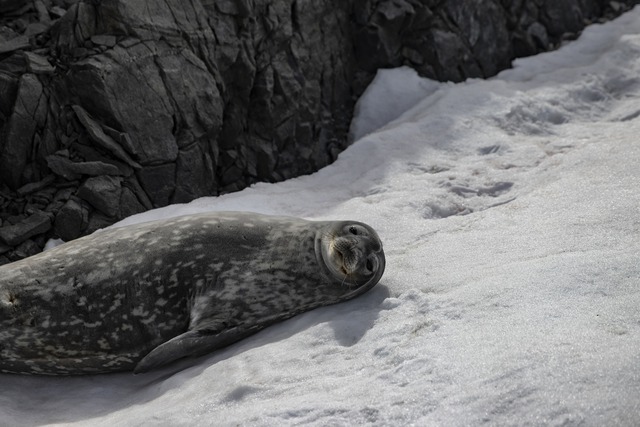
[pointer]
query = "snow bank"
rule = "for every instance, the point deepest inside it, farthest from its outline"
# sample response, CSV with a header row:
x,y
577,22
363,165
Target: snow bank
x,y
509,211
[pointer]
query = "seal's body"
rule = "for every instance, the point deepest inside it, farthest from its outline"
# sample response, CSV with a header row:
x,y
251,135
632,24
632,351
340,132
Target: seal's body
x,y
141,296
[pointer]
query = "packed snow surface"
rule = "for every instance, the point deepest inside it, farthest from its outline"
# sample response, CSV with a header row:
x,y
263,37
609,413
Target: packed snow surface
x,y
509,212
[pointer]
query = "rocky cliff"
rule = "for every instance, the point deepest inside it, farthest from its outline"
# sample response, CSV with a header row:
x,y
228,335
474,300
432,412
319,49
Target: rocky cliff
x,y
113,107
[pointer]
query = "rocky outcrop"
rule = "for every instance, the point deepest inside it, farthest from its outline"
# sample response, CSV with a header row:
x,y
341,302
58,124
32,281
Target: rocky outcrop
x,y
455,40
113,107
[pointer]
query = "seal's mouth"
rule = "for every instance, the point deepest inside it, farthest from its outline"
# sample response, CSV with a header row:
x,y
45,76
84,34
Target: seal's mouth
x,y
343,256
343,269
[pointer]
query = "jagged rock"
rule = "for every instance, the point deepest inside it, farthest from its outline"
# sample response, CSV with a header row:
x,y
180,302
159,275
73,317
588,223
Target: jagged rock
x,y
97,134
64,194
121,138
60,165
159,182
60,198
98,221
15,65
165,101
195,176
103,193
151,133
8,6
36,186
57,11
129,203
26,249
28,115
39,200
71,170
135,187
75,26
104,40
38,64
43,13
484,30
18,43
71,220
35,224
564,16
36,28
538,34
8,91
92,154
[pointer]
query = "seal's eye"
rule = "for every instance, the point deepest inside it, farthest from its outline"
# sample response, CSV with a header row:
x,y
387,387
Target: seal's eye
x,y
353,230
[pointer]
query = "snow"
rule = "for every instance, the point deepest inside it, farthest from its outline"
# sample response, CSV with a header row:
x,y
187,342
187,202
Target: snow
x,y
509,212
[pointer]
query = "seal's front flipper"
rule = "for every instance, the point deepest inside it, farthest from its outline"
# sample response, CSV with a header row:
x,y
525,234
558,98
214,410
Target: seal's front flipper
x,y
191,343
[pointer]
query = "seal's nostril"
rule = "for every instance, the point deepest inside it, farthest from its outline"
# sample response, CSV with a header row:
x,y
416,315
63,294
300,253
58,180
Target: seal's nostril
x,y
369,265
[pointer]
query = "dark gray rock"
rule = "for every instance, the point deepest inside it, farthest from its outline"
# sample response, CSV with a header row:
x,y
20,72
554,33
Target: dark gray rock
x,y
18,43
195,176
71,220
91,154
13,235
132,98
14,65
43,13
71,170
103,193
27,117
482,26
104,40
38,64
57,11
8,91
60,164
129,203
135,187
35,186
159,183
36,28
8,6
98,221
538,34
559,17
25,249
136,104
75,27
39,200
101,138
64,194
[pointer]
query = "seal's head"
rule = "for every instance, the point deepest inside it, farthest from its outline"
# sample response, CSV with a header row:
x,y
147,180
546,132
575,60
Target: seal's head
x,y
350,254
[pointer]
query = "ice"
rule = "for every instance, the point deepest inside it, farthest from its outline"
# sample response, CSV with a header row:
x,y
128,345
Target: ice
x,y
509,213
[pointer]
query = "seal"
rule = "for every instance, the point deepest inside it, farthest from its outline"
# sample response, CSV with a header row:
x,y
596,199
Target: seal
x,y
142,296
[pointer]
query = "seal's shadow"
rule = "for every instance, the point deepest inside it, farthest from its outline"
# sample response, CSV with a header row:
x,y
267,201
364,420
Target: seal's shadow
x,y
71,399
349,321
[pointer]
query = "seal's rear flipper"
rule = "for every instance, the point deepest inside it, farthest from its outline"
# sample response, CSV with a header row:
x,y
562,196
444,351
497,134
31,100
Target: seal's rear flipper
x,y
191,343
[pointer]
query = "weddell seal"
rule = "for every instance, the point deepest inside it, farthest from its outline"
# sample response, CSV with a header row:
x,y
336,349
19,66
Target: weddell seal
x,y
141,296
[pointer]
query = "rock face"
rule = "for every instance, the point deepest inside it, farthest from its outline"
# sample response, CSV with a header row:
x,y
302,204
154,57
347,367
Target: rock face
x,y
113,107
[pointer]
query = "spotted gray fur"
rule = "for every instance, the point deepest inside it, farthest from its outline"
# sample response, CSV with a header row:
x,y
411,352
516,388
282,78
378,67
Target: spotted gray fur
x,y
141,296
